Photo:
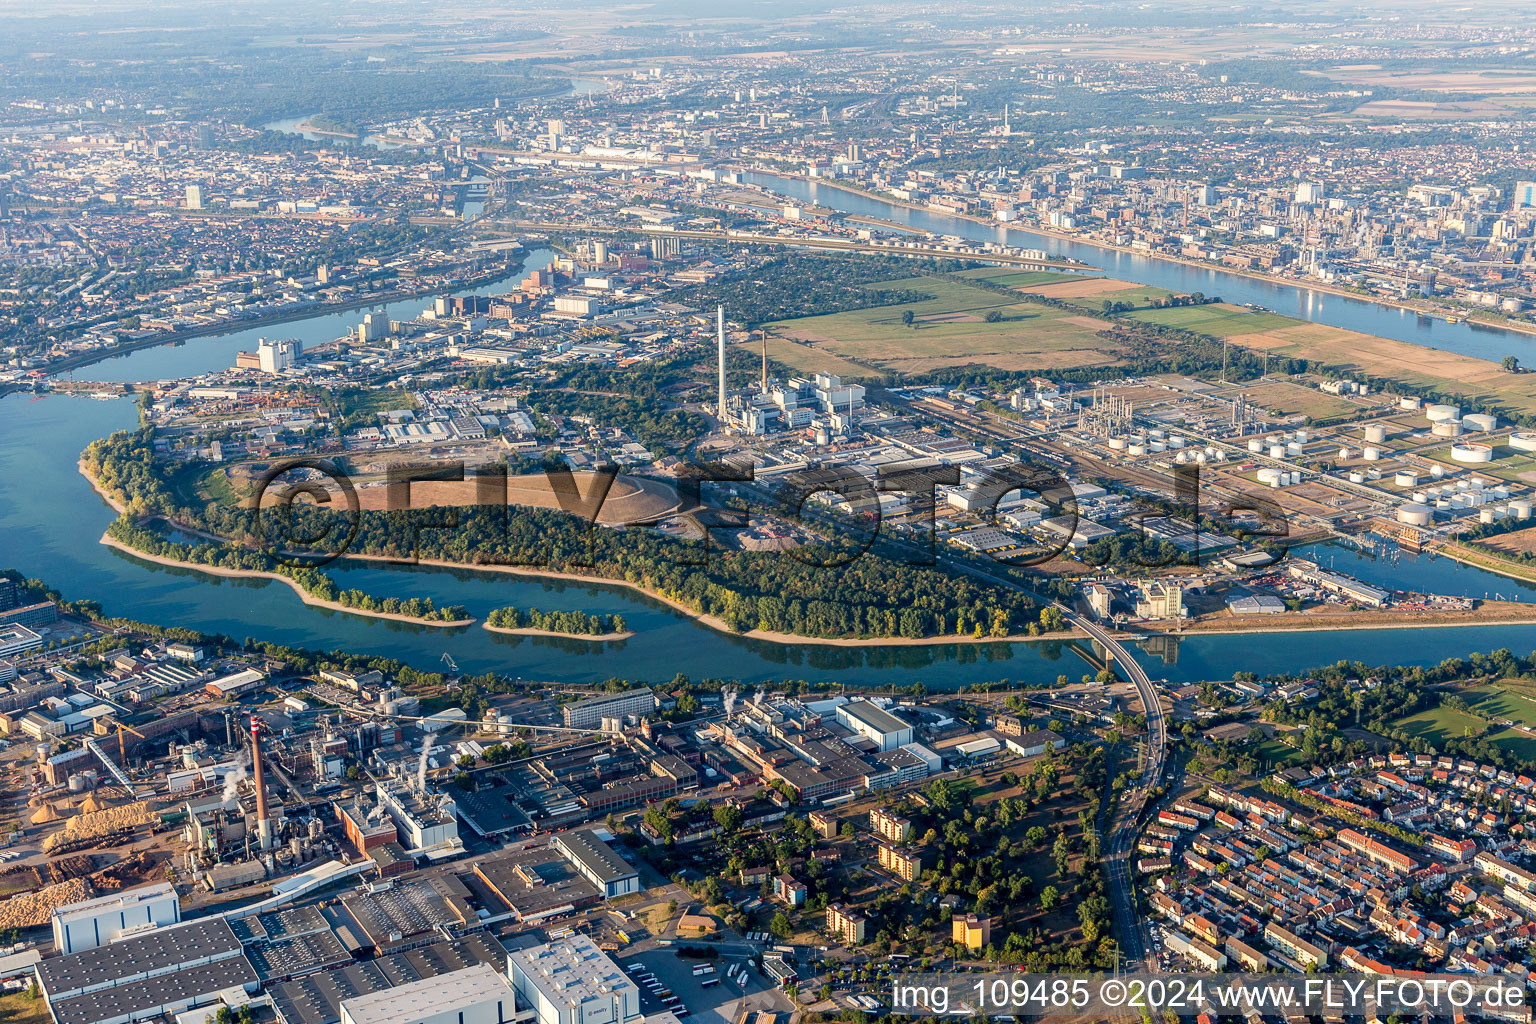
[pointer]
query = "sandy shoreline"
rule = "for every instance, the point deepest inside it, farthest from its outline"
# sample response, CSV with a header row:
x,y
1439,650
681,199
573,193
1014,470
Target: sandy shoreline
x,y
305,596
526,631
1067,236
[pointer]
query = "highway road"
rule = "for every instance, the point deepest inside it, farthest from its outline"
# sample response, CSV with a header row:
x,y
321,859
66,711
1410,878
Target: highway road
x,y
1119,855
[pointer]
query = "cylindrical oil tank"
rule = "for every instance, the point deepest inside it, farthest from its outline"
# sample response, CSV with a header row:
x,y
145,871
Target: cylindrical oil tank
x,y
1375,433
1117,444
1439,413
1410,403
1472,452
1522,441
1370,454
1277,451
1479,421
1344,453
1256,445
1406,478
1447,428
1415,514
1520,508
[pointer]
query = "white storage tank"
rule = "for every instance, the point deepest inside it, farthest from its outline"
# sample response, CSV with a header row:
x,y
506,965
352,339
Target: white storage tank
x,y
1357,477
1406,478
1522,441
1277,451
1154,432
1182,458
1479,421
1415,514
1269,475
1344,453
1302,436
1472,452
1446,428
77,783
1371,454
1520,508
1375,433
1256,445
1409,403
1200,458
1158,446
1175,441
1421,496
1136,449
1436,472
1443,503
1485,515
1117,443
1439,413
1293,449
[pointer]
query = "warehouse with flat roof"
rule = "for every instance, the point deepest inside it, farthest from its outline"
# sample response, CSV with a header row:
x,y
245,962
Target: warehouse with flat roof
x,y
474,995
598,863
571,981
163,971
96,922
875,724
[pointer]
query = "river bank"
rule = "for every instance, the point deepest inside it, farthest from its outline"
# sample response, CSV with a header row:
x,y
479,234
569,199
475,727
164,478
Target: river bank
x,y
527,631
212,330
304,595
1458,553
1422,309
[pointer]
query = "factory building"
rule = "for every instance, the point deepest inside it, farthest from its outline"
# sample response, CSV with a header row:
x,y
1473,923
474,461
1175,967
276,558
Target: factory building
x,y
875,724
596,861
475,995
91,923
589,713
571,981
427,822
160,972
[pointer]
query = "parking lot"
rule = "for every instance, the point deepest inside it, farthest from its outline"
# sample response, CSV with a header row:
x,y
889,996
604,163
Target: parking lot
x,y
718,1004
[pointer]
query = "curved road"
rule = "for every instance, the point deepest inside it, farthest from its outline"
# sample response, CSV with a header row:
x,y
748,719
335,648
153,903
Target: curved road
x,y
1129,926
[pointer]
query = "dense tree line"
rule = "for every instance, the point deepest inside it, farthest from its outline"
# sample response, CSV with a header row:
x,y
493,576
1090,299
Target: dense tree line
x,y
805,284
870,596
313,582
580,623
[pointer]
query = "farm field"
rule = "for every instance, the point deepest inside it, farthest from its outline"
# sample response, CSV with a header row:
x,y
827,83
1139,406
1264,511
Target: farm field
x,y
1477,380
949,329
1088,292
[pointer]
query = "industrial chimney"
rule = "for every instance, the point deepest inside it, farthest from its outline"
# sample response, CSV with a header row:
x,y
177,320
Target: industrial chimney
x,y
720,339
263,823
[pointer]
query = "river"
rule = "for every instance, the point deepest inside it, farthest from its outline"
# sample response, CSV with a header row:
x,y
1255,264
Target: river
x,y
50,521
1355,314
215,352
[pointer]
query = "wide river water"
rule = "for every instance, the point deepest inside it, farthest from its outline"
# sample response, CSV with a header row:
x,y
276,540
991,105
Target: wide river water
x,y
51,520
1355,314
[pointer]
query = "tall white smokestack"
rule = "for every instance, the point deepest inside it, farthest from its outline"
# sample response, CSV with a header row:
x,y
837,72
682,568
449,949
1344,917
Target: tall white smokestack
x,y
720,339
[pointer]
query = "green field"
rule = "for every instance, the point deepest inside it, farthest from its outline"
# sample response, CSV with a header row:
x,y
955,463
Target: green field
x,y
1512,699
1278,754
949,329
1440,724
1017,278
1216,318
1521,744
